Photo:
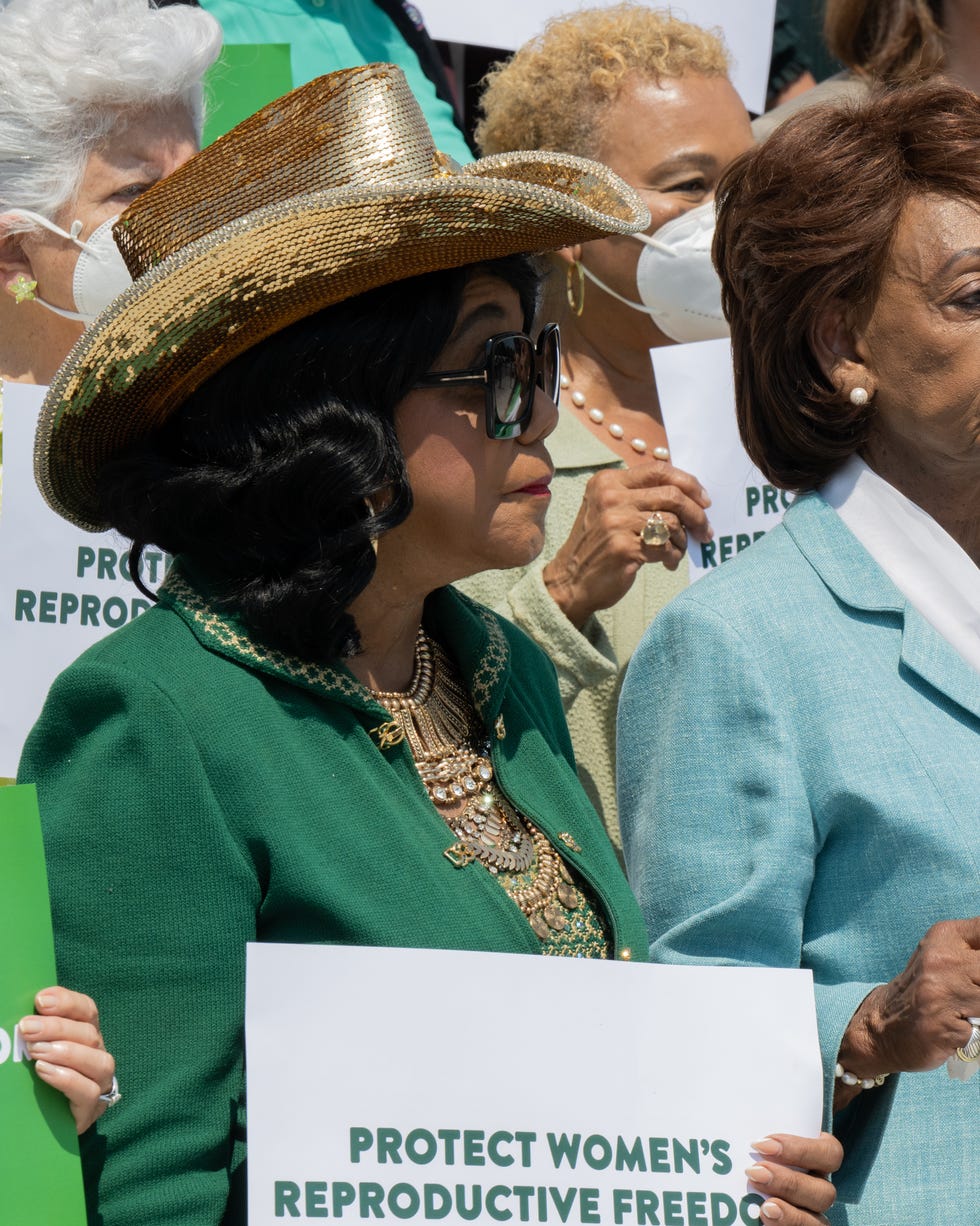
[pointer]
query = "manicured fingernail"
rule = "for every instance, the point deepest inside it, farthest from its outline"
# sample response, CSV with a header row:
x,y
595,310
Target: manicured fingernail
x,y
711,531
29,1026
45,1002
768,1146
34,1048
704,497
50,1070
759,1174
771,1211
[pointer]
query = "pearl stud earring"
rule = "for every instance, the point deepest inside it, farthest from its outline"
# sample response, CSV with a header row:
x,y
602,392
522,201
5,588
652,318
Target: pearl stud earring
x,y
858,396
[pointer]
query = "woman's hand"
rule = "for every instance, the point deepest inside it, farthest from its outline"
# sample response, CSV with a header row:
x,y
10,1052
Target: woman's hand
x,y
65,1043
596,566
918,1019
795,1197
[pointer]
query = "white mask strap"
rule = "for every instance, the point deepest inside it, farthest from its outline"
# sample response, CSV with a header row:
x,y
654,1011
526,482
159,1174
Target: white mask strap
x,y
100,272
637,306
74,315
651,240
71,235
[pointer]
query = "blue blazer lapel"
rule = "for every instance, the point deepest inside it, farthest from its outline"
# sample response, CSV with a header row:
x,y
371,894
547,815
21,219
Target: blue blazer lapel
x,y
927,653
855,578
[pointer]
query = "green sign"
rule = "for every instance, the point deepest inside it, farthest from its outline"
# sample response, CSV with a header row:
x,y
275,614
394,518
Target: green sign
x,y
40,1174
243,79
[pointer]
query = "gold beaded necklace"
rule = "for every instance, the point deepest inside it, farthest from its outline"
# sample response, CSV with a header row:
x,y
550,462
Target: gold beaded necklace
x,y
437,719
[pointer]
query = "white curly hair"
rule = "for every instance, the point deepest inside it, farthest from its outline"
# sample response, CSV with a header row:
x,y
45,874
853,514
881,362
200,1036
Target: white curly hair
x,y
69,72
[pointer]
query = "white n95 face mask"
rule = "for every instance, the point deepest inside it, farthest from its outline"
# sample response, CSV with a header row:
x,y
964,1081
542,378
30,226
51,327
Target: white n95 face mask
x,y
100,273
676,279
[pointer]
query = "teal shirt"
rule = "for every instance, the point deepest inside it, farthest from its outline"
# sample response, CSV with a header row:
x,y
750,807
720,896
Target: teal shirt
x,y
325,35
199,791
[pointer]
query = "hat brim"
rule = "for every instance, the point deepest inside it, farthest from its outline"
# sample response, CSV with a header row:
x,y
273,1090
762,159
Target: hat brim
x,y
201,307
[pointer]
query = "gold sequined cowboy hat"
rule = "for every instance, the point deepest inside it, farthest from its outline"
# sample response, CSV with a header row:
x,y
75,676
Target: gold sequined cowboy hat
x,y
326,193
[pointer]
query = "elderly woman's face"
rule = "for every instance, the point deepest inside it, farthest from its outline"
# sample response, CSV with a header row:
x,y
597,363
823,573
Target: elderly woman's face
x,y
479,503
671,141
139,152
921,346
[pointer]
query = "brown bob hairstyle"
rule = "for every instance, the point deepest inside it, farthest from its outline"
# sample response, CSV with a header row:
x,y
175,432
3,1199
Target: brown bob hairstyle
x,y
886,40
806,220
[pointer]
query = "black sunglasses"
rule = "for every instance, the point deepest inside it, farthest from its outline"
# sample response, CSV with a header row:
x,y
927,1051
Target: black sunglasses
x,y
511,368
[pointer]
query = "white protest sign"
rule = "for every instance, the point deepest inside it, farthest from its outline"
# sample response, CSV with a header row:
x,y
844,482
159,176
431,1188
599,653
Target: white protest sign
x,y
61,589
747,27
424,1085
697,400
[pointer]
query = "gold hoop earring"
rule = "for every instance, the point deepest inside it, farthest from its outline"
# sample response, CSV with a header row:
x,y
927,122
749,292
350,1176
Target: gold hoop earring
x,y
575,293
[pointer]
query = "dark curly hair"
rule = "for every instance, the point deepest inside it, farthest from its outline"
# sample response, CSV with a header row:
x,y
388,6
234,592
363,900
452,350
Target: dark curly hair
x,y
262,479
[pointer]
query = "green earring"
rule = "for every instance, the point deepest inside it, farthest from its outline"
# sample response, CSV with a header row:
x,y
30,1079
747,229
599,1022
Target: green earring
x,y
22,289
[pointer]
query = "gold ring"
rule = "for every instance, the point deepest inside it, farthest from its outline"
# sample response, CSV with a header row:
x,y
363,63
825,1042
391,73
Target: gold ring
x,y
656,531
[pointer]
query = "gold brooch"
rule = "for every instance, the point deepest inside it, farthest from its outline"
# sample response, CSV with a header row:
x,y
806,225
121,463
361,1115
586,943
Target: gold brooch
x,y
389,734
459,856
569,842
499,728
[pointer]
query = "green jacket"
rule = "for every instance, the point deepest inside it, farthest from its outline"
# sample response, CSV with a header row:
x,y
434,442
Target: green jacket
x,y
199,791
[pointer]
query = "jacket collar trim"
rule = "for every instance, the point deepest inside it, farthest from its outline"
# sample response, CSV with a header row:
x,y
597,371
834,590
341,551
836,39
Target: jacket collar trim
x,y
223,633
482,647
472,635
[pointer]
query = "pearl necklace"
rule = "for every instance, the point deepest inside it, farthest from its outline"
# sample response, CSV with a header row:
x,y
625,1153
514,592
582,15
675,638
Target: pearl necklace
x,y
639,445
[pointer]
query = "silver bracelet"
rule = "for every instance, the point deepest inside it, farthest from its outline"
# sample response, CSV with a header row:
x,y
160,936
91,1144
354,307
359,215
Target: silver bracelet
x,y
852,1079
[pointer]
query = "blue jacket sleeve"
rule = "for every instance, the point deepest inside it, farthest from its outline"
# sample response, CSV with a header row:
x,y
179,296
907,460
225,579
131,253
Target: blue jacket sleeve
x,y
719,832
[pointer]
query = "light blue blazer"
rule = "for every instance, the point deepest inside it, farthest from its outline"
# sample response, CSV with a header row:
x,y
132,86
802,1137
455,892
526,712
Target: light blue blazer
x,y
799,775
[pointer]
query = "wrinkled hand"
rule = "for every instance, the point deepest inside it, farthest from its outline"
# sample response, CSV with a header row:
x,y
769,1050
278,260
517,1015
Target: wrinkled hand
x,y
795,1197
65,1043
918,1019
596,566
